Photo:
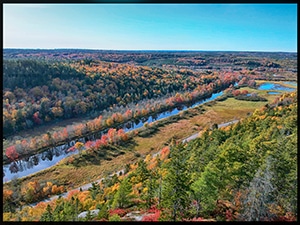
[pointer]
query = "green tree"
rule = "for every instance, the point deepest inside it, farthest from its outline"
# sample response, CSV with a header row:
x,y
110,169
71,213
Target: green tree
x,y
95,190
69,211
58,214
122,198
103,213
47,215
151,185
114,217
205,190
176,183
142,171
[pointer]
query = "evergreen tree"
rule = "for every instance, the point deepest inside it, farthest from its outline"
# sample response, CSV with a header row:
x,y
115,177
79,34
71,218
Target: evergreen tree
x,y
58,214
176,183
142,171
152,186
206,189
103,213
123,196
47,215
94,190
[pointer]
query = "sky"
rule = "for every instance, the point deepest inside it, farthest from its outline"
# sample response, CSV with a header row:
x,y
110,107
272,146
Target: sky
x,y
204,27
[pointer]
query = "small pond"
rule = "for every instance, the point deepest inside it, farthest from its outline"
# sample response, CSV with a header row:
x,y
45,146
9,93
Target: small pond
x,y
272,86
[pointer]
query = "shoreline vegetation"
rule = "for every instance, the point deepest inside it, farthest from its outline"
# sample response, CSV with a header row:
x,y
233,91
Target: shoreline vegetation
x,y
189,114
115,121
115,124
257,113
96,104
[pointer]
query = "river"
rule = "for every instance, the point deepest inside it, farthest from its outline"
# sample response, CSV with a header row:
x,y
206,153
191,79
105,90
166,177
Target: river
x,y
52,156
118,173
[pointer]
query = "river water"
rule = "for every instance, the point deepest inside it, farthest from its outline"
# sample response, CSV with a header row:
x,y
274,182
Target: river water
x,y
50,157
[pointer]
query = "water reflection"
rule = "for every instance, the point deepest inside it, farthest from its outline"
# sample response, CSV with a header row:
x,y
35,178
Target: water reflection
x,y
35,160
128,125
50,157
13,168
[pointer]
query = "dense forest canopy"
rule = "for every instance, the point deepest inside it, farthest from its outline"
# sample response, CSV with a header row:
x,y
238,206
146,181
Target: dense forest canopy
x,y
243,172
246,172
39,86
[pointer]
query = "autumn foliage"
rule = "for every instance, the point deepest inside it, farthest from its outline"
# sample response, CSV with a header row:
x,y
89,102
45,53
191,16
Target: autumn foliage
x,y
11,153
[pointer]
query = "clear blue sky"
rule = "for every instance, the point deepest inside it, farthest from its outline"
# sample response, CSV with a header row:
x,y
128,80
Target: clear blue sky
x,y
236,27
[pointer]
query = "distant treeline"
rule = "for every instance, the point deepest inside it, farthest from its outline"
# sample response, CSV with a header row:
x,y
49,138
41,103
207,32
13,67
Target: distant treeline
x,y
38,91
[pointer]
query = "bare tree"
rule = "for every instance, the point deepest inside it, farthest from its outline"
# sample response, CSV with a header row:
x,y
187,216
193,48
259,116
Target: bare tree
x,y
259,195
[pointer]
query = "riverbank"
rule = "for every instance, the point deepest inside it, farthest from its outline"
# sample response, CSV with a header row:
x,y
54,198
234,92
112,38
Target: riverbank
x,y
188,122
28,166
162,109
89,185
211,113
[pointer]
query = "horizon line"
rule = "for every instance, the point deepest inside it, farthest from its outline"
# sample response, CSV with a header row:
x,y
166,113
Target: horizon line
x,y
149,50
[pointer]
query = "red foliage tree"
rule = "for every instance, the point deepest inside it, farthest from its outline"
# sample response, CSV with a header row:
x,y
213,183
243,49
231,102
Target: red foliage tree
x,y
128,114
236,92
112,134
89,144
36,118
65,133
104,139
244,92
11,153
98,143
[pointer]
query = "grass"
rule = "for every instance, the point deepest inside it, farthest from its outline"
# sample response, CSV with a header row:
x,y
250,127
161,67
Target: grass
x,y
88,172
186,124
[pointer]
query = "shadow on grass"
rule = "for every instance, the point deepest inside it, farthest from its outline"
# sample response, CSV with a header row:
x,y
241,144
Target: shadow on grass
x,y
95,157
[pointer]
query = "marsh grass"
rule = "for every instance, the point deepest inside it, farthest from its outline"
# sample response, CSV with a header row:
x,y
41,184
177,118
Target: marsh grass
x,y
94,166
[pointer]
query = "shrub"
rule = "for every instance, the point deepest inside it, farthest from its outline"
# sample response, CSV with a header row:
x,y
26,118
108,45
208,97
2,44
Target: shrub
x,y
152,217
114,217
118,211
137,154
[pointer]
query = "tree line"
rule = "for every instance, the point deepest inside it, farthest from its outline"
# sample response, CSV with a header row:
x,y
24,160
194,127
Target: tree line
x,y
245,172
159,92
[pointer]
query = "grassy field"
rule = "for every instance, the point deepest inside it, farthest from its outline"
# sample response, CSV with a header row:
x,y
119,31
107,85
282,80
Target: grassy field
x,y
187,123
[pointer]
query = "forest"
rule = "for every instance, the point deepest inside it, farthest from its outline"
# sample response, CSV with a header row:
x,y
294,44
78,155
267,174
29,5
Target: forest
x,y
242,172
58,91
246,172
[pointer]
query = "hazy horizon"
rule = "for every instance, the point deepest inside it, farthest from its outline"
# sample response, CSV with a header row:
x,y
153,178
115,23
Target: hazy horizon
x,y
145,50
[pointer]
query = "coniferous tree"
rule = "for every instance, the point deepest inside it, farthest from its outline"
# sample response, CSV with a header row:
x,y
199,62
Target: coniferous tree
x,y
122,198
176,185
47,215
206,189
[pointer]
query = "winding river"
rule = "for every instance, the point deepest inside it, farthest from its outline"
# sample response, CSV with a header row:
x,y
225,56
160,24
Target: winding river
x,y
50,157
